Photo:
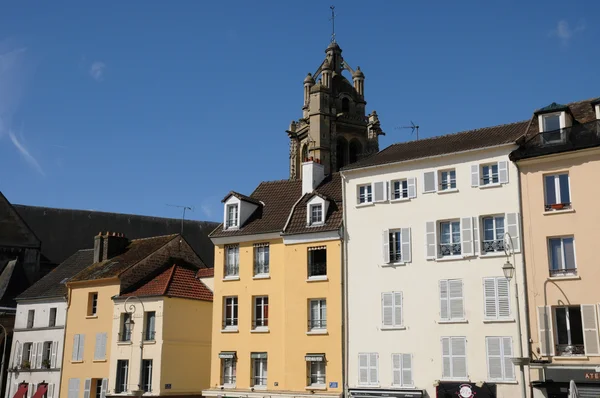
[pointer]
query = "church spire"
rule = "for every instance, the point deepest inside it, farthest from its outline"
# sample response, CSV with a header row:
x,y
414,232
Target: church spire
x,y
332,19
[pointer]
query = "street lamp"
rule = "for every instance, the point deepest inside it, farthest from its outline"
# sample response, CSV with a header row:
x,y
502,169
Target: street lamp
x,y
131,310
508,269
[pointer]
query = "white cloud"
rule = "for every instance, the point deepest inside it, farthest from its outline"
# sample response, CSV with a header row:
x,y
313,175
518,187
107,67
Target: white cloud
x,y
25,153
564,32
97,70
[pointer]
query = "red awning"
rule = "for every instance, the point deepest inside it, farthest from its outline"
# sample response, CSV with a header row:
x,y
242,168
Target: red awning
x,y
42,388
21,391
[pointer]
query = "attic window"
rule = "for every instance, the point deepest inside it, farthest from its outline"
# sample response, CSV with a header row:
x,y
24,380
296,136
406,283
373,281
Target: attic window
x,y
316,214
232,216
551,122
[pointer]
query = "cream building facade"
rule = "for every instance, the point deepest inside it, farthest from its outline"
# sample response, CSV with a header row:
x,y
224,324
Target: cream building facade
x,y
430,312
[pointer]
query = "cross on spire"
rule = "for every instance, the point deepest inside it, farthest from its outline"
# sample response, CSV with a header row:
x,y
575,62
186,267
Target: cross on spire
x,y
332,19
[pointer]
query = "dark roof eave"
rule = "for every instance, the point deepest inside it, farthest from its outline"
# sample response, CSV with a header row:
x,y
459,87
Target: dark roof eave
x,y
245,234
18,298
310,232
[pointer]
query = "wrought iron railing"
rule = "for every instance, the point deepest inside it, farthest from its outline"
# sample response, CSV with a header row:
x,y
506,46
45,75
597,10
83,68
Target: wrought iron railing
x,y
228,380
568,350
259,381
317,323
450,184
149,335
563,272
450,249
395,256
125,335
230,322
260,323
496,245
232,269
261,268
317,269
316,380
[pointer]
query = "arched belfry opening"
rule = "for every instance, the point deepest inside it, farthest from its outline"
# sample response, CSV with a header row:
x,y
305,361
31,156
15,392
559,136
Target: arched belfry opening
x,y
345,104
354,150
341,152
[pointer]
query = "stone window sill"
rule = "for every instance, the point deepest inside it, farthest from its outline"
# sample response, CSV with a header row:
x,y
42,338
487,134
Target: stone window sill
x,y
551,212
565,278
231,278
453,321
317,278
317,332
498,320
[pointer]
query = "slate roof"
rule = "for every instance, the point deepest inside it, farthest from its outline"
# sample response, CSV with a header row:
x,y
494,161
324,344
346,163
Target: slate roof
x,y
175,281
53,284
65,231
444,145
278,198
14,231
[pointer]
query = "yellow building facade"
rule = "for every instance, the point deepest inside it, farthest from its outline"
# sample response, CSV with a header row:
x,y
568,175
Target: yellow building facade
x,y
278,292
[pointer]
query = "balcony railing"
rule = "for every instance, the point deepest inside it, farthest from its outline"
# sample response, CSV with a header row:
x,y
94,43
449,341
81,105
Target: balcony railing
x,y
260,323
149,335
496,245
316,380
570,350
450,249
317,269
232,270
125,336
395,256
557,206
563,272
228,380
317,324
259,381
230,323
578,136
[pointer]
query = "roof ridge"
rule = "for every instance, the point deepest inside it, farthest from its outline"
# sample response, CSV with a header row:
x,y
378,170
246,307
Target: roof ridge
x,y
169,280
154,237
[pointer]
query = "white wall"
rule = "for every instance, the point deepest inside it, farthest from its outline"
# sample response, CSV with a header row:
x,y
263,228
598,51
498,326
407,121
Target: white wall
x,y
40,333
418,280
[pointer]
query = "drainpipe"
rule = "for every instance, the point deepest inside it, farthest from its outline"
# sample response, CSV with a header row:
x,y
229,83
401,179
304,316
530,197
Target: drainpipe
x,y
344,289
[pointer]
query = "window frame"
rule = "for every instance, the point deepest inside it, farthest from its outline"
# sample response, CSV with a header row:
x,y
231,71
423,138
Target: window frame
x,y
231,323
319,324
488,180
232,270
232,376
262,322
52,317
447,182
147,375
561,271
312,267
312,208
262,260
315,372
455,222
31,319
497,244
262,364
395,246
125,327
569,330
149,332
366,197
402,191
232,220
122,376
93,304
560,204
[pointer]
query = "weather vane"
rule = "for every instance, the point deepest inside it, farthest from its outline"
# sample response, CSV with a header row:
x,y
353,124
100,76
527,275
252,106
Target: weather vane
x,y
332,19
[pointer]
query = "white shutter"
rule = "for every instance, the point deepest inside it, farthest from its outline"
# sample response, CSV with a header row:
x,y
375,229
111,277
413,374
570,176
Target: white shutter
x,y
503,292
429,182
412,187
373,369
444,312
489,298
476,245
494,357
407,370
458,349
446,359
466,233
104,388
507,353
40,350
397,369
512,226
75,356
430,240
97,347
406,251
378,191
20,354
474,175
590,329
53,354
33,355
50,390
363,368
104,342
455,295
387,308
81,346
30,390
503,172
87,385
398,309
545,331
386,246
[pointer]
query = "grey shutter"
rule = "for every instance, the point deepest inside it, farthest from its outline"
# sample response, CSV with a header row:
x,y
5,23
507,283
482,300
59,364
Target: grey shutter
x,y
81,347
476,245
407,370
398,309
87,385
363,368
503,172
545,331
412,187
378,191
98,347
387,309
406,253
75,355
104,388
444,313
455,295
507,354
503,292
446,364
373,369
429,183
494,357
430,240
512,226
104,342
474,175
458,347
386,246
397,369
489,298
466,233
53,354
590,329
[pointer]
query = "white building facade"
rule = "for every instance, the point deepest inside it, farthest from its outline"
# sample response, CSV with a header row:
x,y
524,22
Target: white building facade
x,y
37,348
429,311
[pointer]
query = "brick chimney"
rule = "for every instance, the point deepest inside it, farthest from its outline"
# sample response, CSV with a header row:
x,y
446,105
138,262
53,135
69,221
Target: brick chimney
x,y
108,246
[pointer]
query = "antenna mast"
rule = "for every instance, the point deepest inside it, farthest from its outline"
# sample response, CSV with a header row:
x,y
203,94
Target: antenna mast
x,y
413,127
332,19
184,208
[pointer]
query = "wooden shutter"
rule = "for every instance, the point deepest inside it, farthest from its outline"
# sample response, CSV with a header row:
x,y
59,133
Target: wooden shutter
x,y
406,250
455,296
429,182
379,191
98,347
386,246
104,388
363,368
446,359
75,355
512,226
444,301
87,385
466,233
81,347
54,349
507,354
458,349
503,293
474,175
397,308
407,370
545,331
590,329
373,369
489,298
503,172
430,240
397,369
387,309
476,244
412,187
494,357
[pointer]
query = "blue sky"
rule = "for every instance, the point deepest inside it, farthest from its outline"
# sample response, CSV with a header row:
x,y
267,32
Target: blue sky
x,y
130,106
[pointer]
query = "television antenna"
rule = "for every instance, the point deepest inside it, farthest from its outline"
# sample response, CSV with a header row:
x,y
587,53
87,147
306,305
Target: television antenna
x,y
413,127
184,208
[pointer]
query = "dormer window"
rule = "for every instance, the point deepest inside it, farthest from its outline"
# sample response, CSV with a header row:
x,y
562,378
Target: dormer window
x,y
232,216
551,122
316,214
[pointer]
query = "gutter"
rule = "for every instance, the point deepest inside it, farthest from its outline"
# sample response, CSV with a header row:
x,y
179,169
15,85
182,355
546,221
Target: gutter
x,y
345,340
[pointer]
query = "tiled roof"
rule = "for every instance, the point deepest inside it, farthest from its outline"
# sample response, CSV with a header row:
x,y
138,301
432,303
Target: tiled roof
x,y
242,197
205,273
553,107
278,198
330,189
444,145
53,284
175,281
137,250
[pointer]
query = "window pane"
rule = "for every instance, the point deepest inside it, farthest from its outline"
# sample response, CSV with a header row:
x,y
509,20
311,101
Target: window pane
x,y
499,227
555,254
550,190
488,228
565,197
561,325
551,122
456,232
445,232
576,326
569,253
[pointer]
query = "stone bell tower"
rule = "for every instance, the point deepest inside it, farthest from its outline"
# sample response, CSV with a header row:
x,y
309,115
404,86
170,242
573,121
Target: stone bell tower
x,y
334,127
